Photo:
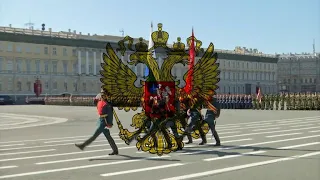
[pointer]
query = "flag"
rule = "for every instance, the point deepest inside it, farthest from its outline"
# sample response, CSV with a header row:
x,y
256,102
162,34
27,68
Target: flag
x,y
146,72
188,87
259,95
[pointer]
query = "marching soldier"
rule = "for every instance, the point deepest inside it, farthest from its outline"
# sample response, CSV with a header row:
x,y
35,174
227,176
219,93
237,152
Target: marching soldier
x,y
318,101
314,101
105,111
183,102
310,104
293,101
254,102
282,100
210,118
229,102
263,102
267,100
277,101
249,101
288,102
272,98
298,100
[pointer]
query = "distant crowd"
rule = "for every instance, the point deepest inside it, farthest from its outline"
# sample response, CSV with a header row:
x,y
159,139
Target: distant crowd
x,y
281,101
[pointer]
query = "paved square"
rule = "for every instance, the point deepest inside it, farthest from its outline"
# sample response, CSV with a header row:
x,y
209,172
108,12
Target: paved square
x,y
37,142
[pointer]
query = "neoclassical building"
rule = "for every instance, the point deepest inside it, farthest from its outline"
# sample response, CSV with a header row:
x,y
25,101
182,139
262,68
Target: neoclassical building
x,y
299,72
69,62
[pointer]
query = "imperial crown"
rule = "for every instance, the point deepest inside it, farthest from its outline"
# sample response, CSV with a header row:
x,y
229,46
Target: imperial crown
x,y
179,46
141,46
160,38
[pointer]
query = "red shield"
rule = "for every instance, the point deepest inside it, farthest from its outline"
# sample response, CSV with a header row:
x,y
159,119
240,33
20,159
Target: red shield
x,y
159,99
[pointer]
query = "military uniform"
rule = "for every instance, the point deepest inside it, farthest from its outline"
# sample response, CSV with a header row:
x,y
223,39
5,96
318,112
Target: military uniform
x,y
263,103
254,103
293,101
210,118
267,102
288,102
272,98
282,100
277,101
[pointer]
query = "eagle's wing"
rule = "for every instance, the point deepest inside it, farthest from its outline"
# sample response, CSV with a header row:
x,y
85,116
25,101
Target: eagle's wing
x,y
206,73
118,81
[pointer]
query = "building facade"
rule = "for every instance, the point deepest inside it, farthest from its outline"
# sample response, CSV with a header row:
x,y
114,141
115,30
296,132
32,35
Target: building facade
x,y
299,72
69,63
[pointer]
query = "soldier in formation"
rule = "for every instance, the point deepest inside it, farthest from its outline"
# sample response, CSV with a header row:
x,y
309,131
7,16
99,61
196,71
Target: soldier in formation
x,y
280,101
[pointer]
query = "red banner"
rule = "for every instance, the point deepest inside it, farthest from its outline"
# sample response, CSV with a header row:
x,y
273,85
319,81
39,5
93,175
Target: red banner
x,y
189,79
37,87
159,99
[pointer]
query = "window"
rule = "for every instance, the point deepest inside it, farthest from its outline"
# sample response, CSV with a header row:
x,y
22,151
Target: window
x,y
0,86
9,48
46,67
29,86
247,65
28,66
46,50
54,66
38,66
10,83
37,51
46,85
90,69
19,65
55,85
9,65
65,85
74,52
19,88
1,47
83,68
75,67
310,80
1,61
65,67
65,51
84,86
54,51
75,86
18,48
28,50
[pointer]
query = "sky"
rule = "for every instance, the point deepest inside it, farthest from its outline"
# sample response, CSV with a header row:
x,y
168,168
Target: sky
x,y
271,26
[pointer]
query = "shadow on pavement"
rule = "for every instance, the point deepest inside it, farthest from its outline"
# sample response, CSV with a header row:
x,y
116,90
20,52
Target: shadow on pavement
x,y
127,157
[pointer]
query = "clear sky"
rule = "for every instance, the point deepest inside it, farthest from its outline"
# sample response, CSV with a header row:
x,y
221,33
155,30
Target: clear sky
x,y
271,26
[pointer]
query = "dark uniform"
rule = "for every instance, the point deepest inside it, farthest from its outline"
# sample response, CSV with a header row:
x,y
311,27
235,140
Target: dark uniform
x,y
210,118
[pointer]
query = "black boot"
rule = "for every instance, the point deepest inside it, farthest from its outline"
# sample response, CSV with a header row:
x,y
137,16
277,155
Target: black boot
x,y
114,153
80,146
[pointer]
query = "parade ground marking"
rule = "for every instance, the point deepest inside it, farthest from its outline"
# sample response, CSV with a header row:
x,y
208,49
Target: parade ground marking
x,y
219,127
79,167
280,135
234,168
7,167
34,120
142,169
27,152
302,125
265,129
259,152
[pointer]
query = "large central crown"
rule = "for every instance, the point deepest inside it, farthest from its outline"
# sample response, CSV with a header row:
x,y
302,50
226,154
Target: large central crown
x,y
160,38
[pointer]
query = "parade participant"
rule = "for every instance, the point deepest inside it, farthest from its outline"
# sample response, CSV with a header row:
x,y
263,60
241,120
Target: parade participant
x,y
105,112
267,100
272,98
249,102
277,101
210,118
183,108
254,102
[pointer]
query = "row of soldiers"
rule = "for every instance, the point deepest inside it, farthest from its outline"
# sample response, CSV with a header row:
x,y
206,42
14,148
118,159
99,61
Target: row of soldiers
x,y
281,101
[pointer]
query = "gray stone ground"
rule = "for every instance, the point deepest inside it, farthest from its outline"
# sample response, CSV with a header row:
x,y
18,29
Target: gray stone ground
x,y
33,147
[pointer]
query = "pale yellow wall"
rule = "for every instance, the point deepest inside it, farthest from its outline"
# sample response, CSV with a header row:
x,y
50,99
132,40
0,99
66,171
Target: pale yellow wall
x,y
34,53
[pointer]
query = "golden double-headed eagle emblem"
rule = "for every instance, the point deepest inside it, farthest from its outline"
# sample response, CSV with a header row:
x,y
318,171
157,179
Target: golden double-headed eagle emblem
x,y
152,134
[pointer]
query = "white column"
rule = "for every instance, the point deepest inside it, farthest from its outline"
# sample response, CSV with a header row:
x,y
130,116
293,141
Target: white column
x,y
87,62
79,62
94,63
